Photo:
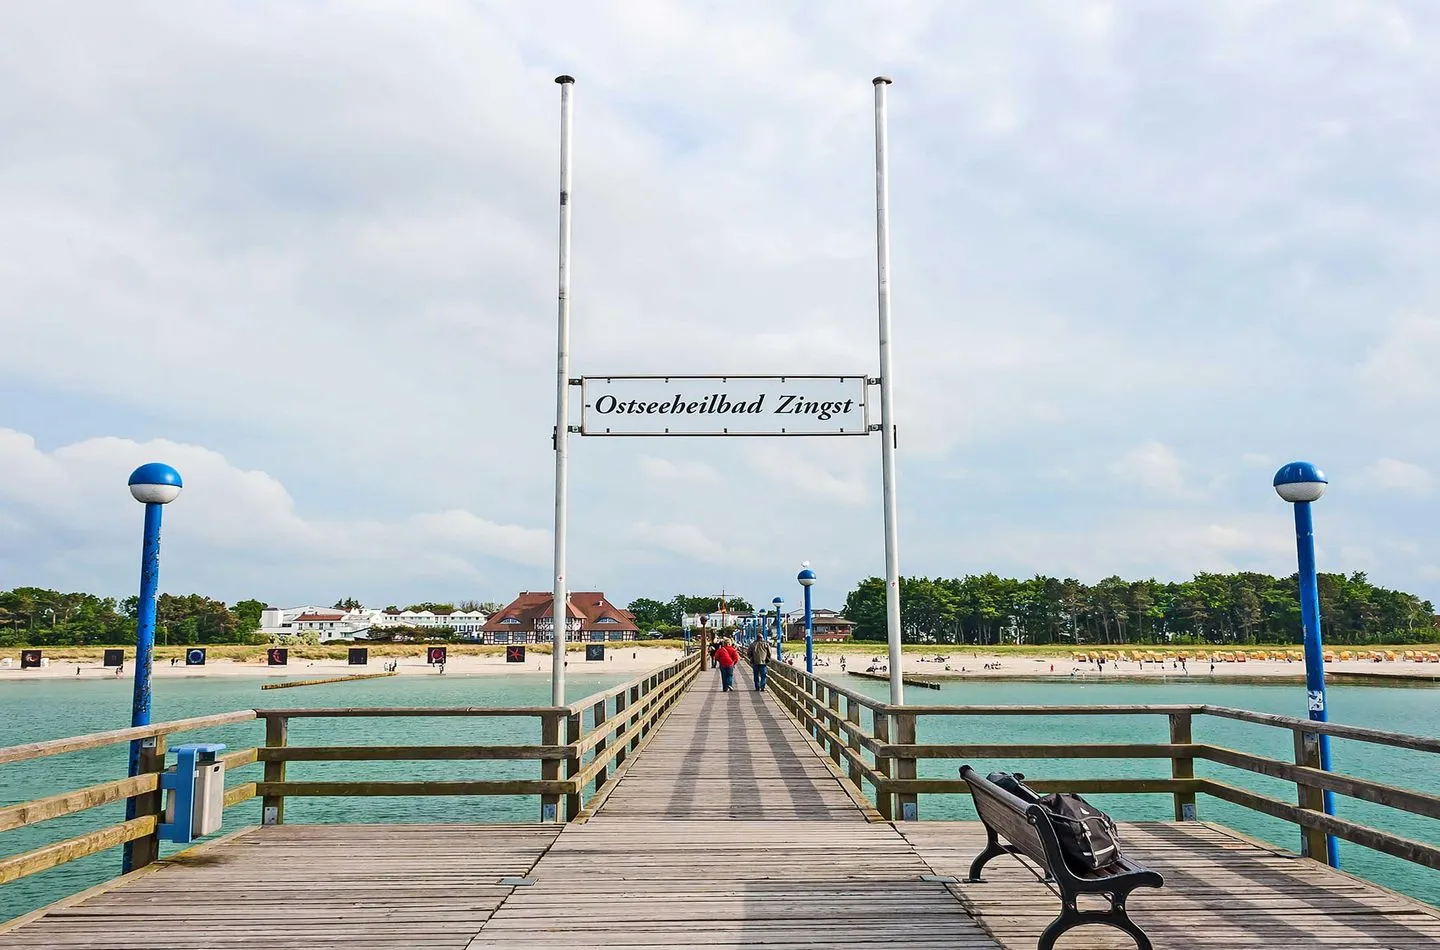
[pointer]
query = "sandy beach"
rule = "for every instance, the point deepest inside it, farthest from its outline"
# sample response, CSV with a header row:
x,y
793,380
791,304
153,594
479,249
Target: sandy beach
x,y
634,659
980,664
623,659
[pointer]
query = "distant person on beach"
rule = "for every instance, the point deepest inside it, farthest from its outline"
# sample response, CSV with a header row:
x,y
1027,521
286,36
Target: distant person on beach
x,y
726,656
759,658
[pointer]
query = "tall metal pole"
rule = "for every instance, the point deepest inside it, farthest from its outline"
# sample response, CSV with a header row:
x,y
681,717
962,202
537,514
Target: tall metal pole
x,y
809,636
806,577
1300,483
887,391
560,607
1314,652
155,484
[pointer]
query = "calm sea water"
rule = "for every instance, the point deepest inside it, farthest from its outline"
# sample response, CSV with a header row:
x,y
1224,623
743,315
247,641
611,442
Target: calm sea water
x,y
31,711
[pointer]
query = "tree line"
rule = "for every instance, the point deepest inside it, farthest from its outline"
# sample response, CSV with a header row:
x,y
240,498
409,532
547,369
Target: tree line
x,y
1215,609
34,616
664,615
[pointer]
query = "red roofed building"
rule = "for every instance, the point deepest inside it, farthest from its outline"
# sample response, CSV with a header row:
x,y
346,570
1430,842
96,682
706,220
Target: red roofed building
x,y
590,618
320,621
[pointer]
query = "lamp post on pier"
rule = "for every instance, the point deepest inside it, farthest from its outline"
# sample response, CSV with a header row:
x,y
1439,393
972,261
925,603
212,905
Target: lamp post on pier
x,y
806,577
1300,483
779,628
155,484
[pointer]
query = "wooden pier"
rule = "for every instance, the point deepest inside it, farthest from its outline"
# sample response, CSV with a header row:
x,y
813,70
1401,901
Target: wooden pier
x,y
698,819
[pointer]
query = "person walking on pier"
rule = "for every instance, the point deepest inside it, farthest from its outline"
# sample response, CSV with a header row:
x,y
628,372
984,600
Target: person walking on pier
x,y
759,657
726,656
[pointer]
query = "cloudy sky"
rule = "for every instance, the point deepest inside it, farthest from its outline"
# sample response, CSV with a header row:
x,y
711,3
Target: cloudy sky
x,y
1144,253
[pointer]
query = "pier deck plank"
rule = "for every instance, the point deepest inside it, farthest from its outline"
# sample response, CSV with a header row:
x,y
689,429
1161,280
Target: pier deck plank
x,y
1222,892
727,831
729,755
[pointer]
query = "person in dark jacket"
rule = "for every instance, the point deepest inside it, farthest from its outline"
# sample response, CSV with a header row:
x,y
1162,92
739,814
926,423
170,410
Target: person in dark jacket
x,y
759,660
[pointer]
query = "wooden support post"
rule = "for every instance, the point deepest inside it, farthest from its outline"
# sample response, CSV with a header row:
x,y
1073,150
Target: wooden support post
x,y
884,801
635,715
1182,767
812,690
598,713
277,736
852,716
1307,753
907,803
551,724
704,649
146,850
572,765
624,750
834,705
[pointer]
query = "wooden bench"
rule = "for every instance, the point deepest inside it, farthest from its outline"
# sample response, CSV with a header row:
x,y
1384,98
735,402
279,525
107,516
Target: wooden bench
x,y
1028,828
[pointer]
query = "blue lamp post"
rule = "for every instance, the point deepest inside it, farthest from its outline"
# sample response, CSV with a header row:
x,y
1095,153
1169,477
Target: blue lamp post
x,y
806,577
779,629
1300,483
154,484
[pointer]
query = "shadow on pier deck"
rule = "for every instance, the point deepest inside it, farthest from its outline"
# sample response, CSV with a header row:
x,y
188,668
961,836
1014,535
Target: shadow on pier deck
x,y
726,827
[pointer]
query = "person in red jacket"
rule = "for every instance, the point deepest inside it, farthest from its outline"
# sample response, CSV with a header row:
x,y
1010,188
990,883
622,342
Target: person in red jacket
x,y
726,657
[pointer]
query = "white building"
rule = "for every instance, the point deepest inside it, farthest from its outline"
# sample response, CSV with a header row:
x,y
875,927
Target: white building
x,y
465,623
328,622
331,623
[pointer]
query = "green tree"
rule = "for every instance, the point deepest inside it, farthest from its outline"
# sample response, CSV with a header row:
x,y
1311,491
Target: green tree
x,y
247,615
652,614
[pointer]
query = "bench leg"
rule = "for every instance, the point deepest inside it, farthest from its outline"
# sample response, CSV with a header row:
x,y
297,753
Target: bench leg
x,y
993,849
1070,918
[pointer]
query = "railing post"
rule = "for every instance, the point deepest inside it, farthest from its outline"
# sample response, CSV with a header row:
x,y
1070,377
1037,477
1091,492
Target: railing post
x,y
852,716
624,749
598,712
832,701
277,736
907,802
146,850
635,715
884,800
1182,767
550,726
572,764
1307,753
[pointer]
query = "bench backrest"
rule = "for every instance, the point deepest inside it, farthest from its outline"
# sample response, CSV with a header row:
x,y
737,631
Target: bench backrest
x,y
1008,816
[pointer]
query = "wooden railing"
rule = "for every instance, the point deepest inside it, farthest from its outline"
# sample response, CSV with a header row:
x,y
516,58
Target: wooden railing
x,y
573,761
886,755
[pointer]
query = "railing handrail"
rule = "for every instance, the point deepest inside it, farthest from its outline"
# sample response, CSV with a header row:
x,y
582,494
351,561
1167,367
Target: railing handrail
x,y
815,703
1338,730
586,702
569,758
95,740
339,712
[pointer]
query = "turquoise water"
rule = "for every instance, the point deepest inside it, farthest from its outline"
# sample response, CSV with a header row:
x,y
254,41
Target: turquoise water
x,y
48,709
1406,709
31,711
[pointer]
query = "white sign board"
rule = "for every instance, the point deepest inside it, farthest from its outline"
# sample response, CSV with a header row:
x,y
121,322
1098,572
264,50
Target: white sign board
x,y
724,405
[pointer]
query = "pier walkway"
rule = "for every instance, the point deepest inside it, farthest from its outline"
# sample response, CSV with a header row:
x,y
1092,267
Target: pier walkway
x,y
725,828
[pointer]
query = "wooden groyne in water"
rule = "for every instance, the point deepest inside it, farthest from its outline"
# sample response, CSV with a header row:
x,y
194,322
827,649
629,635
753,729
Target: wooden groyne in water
x,y
905,678
329,679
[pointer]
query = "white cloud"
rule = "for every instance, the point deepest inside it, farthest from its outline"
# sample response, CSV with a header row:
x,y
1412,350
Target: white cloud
x,y
1393,475
684,472
1401,366
1153,466
687,540
318,240
72,506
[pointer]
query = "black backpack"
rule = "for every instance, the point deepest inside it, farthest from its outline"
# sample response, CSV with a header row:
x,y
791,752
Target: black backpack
x,y
1087,835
